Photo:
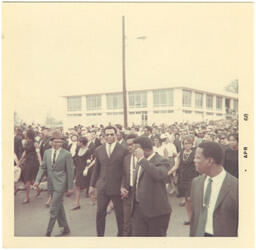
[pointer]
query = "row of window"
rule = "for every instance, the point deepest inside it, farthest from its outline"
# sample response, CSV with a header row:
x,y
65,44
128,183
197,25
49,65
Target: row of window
x,y
187,100
161,98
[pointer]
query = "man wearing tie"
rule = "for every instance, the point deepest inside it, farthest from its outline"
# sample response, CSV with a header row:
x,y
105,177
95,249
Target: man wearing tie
x,y
107,173
150,205
214,195
58,164
130,162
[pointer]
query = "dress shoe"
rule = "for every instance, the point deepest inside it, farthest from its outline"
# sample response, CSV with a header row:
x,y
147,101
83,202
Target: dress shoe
x,y
75,208
47,205
48,234
25,202
186,223
65,232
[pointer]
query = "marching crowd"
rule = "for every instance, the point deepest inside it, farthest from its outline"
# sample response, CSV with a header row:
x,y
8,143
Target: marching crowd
x,y
132,171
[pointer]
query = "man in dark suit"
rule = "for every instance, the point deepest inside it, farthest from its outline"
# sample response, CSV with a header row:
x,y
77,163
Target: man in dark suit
x,y
214,195
95,140
127,183
150,205
120,138
58,164
107,173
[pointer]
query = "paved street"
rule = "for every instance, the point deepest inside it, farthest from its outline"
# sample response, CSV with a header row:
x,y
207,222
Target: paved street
x,y
31,219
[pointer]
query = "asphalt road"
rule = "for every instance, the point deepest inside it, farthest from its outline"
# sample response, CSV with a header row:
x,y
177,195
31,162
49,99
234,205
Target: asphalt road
x,y
31,219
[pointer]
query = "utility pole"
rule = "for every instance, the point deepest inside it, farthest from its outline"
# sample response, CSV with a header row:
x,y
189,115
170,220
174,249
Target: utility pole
x,y
124,77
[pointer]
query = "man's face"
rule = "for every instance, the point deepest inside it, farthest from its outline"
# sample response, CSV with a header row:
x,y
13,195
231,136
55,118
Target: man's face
x,y
110,135
201,163
45,132
130,145
56,143
147,132
119,136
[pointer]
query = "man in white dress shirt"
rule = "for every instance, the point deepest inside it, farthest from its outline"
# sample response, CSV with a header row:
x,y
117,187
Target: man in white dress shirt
x,y
214,195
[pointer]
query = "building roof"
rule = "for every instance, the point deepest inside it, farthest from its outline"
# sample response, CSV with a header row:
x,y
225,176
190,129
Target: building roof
x,y
119,90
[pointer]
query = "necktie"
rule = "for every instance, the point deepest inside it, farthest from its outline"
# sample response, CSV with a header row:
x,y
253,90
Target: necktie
x,y
109,150
54,158
203,215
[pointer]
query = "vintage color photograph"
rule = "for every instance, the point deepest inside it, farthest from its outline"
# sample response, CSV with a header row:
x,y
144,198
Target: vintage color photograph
x,y
126,120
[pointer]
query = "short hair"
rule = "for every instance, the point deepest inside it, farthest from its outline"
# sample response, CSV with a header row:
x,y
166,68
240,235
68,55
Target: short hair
x,y
234,135
212,150
144,142
131,136
109,127
83,140
188,138
148,128
30,134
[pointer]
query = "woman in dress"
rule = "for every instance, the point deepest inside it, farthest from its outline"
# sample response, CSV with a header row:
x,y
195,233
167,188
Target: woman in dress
x,y
187,171
81,160
31,160
231,155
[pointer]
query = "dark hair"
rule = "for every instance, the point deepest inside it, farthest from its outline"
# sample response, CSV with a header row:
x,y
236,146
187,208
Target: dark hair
x,y
148,128
189,139
144,142
131,136
234,135
83,140
213,150
109,127
30,134
158,138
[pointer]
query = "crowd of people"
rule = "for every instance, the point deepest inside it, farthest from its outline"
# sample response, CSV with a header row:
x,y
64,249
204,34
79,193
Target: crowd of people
x,y
131,171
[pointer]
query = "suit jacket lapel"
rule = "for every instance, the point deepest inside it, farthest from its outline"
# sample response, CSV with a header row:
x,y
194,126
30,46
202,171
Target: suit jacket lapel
x,y
223,191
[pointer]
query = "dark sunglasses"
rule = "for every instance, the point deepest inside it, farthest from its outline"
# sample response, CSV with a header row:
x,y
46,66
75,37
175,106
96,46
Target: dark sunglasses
x,y
109,134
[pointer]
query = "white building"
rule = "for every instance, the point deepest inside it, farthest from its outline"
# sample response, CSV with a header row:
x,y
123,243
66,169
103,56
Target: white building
x,y
165,105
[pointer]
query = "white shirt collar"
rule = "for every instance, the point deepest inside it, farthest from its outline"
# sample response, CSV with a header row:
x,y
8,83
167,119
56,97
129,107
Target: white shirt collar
x,y
218,178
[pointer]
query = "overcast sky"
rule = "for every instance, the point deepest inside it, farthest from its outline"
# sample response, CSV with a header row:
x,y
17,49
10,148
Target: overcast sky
x,y
58,49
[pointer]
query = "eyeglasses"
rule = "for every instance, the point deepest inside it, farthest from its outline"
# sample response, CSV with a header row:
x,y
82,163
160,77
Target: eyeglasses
x,y
109,134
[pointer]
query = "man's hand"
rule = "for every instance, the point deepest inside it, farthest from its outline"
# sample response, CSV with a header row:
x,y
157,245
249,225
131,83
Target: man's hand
x,y
124,193
139,153
172,172
36,185
91,191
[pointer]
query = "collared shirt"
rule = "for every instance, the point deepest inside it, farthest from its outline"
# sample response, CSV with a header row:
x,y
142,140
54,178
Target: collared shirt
x,y
216,186
57,153
138,175
112,147
133,161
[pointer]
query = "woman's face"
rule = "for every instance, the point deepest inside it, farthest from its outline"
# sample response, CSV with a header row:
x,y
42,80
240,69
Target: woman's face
x,y
157,142
74,138
187,145
233,142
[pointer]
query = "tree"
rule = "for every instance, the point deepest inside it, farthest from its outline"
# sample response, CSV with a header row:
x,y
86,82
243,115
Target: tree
x,y
232,86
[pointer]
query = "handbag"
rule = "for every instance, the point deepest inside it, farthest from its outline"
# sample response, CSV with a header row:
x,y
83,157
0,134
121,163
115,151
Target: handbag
x,y
17,173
